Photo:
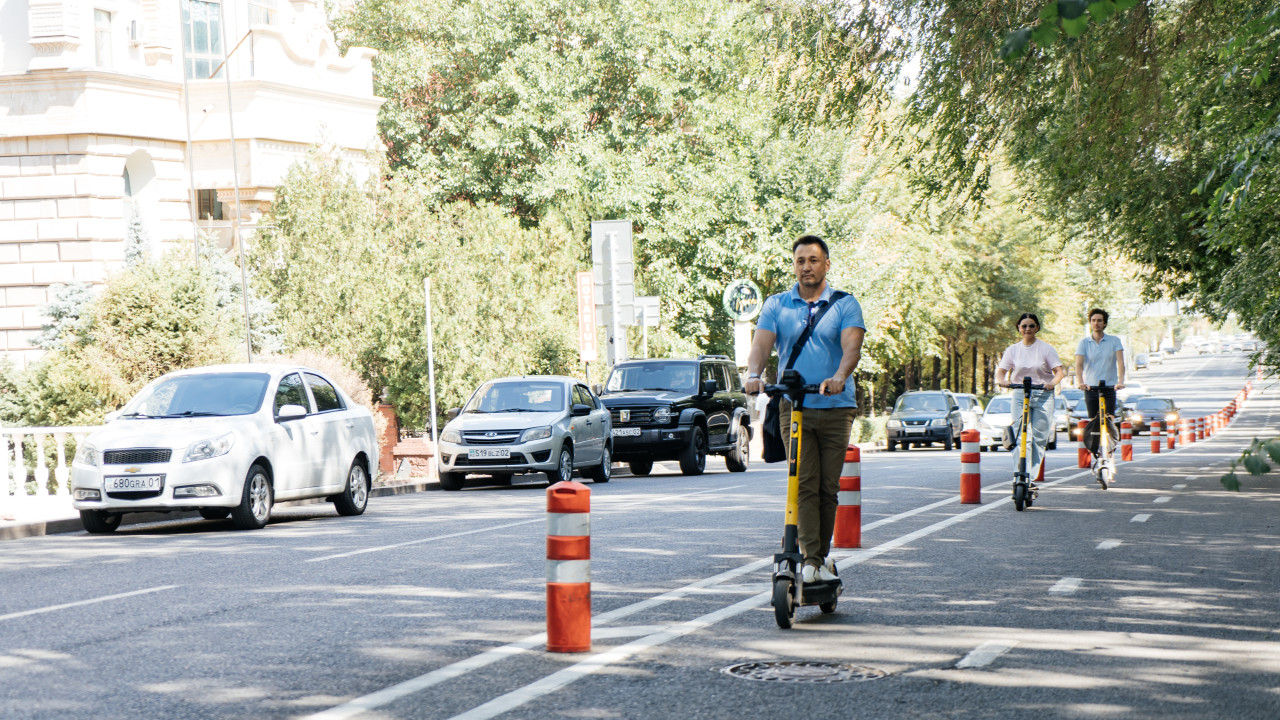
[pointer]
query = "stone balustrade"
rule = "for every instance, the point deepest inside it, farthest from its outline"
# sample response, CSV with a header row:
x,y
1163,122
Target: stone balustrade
x,y
25,480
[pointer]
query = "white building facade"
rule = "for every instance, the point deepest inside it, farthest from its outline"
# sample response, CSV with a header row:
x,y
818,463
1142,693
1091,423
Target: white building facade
x,y
120,112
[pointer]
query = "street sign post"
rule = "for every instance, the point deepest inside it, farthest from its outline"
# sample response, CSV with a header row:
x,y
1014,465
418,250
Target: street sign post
x,y
647,316
614,274
743,301
586,317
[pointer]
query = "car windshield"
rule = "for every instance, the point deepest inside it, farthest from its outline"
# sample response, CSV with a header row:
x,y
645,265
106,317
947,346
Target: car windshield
x,y
204,395
999,405
921,403
1155,404
518,396
679,376
967,402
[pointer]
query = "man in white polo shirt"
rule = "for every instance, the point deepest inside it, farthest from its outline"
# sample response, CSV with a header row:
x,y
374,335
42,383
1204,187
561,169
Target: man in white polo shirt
x,y
1100,358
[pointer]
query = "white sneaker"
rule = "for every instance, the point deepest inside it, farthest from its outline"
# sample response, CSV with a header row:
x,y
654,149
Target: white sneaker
x,y
809,574
827,573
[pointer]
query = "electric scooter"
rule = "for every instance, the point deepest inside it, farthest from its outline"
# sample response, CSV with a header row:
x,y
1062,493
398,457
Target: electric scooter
x,y
1024,493
1101,444
789,589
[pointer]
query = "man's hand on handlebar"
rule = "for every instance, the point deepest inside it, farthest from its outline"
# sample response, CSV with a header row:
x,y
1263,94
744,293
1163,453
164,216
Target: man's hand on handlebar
x,y
753,386
831,386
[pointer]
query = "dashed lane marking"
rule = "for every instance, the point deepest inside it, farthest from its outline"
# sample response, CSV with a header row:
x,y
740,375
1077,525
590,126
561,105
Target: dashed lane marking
x,y
1066,586
1162,499
90,601
1180,486
1108,545
1140,517
985,654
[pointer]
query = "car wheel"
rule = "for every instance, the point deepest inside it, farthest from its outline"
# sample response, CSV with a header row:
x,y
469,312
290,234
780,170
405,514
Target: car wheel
x,y
564,468
452,480
693,459
355,497
739,457
100,521
255,501
602,473
214,513
891,445
946,443
641,468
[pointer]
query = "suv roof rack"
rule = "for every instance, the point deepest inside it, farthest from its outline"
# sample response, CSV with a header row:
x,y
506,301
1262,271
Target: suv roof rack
x,y
713,357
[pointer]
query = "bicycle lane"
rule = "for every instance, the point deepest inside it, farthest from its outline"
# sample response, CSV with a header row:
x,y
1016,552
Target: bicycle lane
x,y
921,601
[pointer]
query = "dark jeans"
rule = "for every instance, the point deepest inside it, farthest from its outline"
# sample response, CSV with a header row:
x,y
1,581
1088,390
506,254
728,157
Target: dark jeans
x,y
1091,402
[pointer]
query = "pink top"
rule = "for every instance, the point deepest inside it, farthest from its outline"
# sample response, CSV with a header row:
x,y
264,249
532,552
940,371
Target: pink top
x,y
1037,360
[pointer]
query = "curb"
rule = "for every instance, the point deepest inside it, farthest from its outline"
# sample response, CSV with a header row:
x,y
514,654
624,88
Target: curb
x,y
70,525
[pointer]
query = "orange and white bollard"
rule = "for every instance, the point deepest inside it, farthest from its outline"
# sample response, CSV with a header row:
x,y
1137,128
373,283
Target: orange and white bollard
x,y
1084,458
1200,428
970,468
1157,437
1040,475
1126,440
1184,434
848,532
1171,435
568,567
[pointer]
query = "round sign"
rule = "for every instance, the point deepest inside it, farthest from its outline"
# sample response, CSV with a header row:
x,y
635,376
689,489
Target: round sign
x,y
743,300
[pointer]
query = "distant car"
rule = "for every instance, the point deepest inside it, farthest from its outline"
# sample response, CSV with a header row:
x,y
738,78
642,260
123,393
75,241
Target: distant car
x,y
1140,361
998,417
1249,346
1061,413
227,440
922,418
1148,409
1071,395
1131,389
530,424
1155,358
970,410
678,409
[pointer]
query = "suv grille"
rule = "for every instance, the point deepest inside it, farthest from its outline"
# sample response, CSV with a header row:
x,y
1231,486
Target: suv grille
x,y
915,423
136,456
636,416
491,437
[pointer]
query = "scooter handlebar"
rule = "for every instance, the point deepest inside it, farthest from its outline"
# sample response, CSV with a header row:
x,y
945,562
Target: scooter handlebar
x,y
777,390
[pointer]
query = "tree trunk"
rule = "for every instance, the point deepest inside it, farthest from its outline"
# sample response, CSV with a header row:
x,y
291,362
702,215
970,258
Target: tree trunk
x,y
937,367
973,370
950,366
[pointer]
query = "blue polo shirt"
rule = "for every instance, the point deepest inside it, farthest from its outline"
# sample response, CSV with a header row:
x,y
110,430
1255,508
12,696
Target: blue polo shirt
x,y
786,315
1099,359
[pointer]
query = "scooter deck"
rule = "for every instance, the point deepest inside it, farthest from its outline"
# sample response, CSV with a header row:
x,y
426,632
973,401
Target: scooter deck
x,y
821,593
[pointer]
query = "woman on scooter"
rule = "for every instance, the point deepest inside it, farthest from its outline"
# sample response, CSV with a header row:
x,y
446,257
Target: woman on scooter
x,y
1037,359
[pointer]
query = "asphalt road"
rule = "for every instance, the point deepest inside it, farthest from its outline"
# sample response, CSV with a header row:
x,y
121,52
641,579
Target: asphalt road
x,y
1156,598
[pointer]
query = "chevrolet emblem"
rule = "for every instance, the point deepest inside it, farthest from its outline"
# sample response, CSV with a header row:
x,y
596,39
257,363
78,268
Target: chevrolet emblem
x,y
624,416
132,469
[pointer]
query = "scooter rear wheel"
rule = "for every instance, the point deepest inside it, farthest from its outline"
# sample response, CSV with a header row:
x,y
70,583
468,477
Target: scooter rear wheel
x,y
784,609
828,608
1019,497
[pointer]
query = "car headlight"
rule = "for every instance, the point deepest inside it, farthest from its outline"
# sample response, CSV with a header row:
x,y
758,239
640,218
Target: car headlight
x,y
451,436
1136,417
538,433
893,424
211,448
87,454
662,415
940,422
1171,417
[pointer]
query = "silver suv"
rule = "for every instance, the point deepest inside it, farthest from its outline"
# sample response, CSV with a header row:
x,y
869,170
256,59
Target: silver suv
x,y
532,424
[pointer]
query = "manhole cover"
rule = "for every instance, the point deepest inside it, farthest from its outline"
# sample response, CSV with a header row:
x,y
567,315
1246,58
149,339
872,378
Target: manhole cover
x,y
803,671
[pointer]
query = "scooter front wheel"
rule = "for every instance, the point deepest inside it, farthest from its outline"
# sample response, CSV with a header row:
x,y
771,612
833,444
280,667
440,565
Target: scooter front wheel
x,y
1104,477
1019,497
784,609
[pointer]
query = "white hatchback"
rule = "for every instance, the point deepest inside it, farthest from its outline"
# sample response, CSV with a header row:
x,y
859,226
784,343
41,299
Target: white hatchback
x,y
227,440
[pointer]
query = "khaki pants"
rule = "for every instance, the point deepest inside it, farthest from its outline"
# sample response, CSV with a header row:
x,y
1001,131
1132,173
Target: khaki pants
x,y
824,438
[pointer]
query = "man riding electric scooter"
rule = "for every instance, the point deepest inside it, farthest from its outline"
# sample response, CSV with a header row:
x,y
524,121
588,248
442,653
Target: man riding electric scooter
x,y
818,332
1100,373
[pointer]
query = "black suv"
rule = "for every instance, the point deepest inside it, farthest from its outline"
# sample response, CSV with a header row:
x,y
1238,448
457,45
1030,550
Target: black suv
x,y
678,410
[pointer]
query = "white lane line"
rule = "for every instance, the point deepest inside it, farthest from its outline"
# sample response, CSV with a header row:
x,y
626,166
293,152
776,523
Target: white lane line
x,y
542,518
1162,499
986,653
1140,517
1108,545
78,603
1181,486
1066,586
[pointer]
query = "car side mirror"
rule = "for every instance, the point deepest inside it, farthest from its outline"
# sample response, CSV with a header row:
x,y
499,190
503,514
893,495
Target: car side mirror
x,y
955,407
580,410
290,412
453,413
598,389
708,387
111,416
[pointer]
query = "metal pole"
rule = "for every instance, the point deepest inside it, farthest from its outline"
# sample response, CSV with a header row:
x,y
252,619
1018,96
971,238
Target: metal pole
x,y
431,361
644,328
613,296
235,179
191,161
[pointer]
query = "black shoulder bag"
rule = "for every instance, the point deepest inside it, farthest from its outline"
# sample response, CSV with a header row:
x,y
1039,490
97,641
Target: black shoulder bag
x,y
775,446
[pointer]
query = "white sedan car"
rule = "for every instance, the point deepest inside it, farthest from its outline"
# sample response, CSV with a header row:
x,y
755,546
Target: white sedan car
x,y
227,440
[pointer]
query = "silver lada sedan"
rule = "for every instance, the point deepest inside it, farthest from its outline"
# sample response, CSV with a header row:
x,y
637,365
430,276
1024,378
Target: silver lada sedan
x,y
531,424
